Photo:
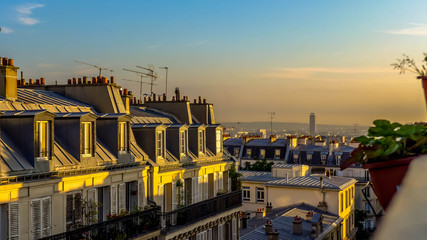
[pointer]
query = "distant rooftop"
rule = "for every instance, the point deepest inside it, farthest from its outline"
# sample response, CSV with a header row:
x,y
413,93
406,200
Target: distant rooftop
x,y
266,142
233,142
282,219
256,176
313,181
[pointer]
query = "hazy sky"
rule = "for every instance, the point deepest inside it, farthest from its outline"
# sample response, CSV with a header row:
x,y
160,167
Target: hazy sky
x,y
247,57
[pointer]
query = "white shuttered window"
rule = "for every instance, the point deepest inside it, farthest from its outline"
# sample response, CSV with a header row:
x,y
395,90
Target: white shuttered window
x,y
40,217
122,197
13,215
141,193
113,195
205,187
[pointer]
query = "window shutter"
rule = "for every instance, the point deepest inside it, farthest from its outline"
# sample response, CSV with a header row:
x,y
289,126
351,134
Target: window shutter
x,y
122,197
174,195
234,228
215,184
200,189
220,232
92,199
193,190
210,234
141,193
113,195
13,221
160,197
36,217
220,181
69,209
46,217
78,209
206,188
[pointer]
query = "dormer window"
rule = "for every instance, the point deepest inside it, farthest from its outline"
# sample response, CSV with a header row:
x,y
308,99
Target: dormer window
x,y
87,139
338,159
201,141
123,137
277,154
323,159
183,142
262,154
160,148
42,139
218,141
309,158
248,153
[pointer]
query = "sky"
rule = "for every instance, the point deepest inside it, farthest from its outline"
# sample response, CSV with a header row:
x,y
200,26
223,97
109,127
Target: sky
x,y
246,57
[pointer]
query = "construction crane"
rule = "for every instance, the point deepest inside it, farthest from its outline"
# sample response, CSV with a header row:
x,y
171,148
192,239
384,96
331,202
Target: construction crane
x,y
142,75
98,67
140,84
151,73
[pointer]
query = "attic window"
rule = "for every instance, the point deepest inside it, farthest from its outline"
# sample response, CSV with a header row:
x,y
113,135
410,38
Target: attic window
x,y
160,143
87,139
42,139
218,141
201,141
183,142
123,137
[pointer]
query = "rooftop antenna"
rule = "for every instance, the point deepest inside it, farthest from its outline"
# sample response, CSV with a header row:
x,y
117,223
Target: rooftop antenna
x,y
142,75
153,75
140,84
271,121
98,67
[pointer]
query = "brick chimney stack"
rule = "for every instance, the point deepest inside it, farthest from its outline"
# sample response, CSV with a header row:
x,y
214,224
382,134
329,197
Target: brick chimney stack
x,y
8,79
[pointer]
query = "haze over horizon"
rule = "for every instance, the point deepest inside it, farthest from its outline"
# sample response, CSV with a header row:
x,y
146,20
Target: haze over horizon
x,y
246,57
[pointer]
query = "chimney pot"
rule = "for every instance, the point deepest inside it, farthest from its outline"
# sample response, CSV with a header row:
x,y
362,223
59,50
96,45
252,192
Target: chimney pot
x,y
121,92
204,100
154,97
164,97
31,82
23,81
18,82
37,81
79,80
139,101
125,91
5,61
145,99
93,80
11,62
173,99
195,100
200,99
84,80
1,61
42,81
74,81
160,99
112,79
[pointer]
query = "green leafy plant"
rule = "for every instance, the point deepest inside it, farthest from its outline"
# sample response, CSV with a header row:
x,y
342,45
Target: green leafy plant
x,y
389,141
235,178
408,64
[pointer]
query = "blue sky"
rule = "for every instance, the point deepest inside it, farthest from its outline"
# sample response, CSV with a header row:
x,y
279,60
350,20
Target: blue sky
x,y
247,57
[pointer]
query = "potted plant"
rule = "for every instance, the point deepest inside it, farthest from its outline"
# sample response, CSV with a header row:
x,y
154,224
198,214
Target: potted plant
x,y
408,64
386,152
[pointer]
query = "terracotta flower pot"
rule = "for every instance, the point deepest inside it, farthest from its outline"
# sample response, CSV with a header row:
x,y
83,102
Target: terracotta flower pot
x,y
424,83
386,177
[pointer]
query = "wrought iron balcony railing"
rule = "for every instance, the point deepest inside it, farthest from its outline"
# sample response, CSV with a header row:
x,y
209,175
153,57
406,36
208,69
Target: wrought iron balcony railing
x,y
192,213
118,228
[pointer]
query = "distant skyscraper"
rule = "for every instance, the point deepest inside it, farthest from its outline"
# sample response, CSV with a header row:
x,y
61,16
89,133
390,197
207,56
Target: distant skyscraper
x,y
312,124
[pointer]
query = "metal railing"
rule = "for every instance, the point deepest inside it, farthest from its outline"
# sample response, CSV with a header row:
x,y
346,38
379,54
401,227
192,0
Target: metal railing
x,y
118,228
192,213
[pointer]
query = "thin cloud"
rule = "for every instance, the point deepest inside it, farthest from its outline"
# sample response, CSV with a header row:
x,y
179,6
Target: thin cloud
x,y
305,73
417,30
25,12
6,30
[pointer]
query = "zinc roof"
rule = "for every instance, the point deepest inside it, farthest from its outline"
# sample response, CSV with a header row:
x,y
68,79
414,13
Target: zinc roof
x,y
313,181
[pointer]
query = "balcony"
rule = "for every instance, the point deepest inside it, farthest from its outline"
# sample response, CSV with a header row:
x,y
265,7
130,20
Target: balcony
x,y
125,227
184,216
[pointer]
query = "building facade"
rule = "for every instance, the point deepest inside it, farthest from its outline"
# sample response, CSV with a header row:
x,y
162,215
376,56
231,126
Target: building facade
x,y
85,160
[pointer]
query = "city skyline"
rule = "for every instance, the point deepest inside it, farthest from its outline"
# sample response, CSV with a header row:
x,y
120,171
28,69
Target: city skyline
x,y
249,58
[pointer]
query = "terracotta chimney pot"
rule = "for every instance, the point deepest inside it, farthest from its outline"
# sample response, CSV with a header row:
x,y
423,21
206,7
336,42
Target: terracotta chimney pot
x,y
84,80
37,81
5,61
74,81
11,62
42,81
79,80
112,79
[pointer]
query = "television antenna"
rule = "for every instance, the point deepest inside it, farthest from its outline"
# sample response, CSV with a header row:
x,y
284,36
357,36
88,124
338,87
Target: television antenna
x,y
97,67
271,121
140,82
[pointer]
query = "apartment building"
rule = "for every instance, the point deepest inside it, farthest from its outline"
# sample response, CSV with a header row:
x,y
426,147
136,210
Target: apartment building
x,y
290,185
84,160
